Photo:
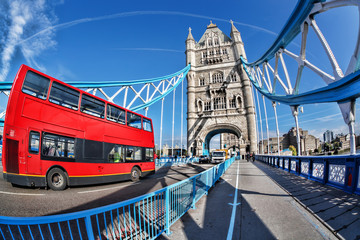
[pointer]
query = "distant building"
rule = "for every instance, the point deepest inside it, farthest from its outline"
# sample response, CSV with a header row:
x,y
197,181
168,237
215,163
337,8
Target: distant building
x,y
167,151
307,142
273,145
344,140
328,136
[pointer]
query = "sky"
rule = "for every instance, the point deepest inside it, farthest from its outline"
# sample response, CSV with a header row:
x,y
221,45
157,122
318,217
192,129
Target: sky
x,y
129,40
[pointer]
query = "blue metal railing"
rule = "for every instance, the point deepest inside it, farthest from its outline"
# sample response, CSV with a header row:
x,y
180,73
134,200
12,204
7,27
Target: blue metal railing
x,y
144,217
338,171
170,161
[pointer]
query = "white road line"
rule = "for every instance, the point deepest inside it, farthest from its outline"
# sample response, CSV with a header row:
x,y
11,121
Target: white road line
x,y
234,204
105,189
24,194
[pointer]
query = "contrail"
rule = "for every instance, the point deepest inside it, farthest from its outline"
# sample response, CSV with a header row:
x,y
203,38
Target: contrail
x,y
21,18
137,13
150,49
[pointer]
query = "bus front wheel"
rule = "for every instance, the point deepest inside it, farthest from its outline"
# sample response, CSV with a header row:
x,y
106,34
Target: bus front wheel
x,y
135,174
56,179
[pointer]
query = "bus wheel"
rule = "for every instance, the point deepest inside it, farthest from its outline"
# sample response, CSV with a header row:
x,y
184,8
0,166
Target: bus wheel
x,y
135,174
56,179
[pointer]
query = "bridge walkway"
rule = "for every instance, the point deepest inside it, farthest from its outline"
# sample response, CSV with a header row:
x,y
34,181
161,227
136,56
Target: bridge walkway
x,y
269,204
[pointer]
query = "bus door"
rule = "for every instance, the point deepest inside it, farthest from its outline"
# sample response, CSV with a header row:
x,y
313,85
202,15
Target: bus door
x,y
14,150
33,152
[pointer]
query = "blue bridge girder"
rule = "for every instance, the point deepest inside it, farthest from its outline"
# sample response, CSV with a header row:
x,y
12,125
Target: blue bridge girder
x,y
342,88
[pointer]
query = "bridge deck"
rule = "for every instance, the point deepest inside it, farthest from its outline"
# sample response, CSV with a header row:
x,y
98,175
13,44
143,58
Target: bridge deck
x,y
274,204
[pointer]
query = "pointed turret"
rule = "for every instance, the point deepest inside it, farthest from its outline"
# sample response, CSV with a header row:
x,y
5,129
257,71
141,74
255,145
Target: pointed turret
x,y
190,36
190,48
235,34
237,42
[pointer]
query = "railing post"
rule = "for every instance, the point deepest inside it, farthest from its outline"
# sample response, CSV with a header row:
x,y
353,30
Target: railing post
x,y
167,211
89,229
194,193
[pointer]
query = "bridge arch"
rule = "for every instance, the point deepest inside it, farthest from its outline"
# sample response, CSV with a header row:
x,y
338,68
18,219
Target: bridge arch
x,y
206,135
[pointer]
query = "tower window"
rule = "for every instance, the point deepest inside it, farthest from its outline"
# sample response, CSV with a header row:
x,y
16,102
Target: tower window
x,y
216,42
232,103
210,43
202,81
207,106
233,77
204,54
218,52
219,103
217,78
224,51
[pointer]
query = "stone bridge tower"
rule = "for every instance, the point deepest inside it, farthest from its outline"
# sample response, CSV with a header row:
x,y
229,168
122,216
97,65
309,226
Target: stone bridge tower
x,y
219,92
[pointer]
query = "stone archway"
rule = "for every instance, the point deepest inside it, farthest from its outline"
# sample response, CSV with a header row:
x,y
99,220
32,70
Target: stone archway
x,y
206,135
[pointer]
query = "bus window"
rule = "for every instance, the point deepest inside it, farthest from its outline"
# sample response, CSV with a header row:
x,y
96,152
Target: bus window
x,y
58,146
149,156
115,114
137,154
36,85
129,153
64,96
133,153
116,154
92,106
133,120
147,125
34,142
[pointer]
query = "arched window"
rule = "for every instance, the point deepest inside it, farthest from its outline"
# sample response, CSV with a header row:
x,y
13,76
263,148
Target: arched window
x,y
210,43
216,41
232,103
200,106
233,77
239,102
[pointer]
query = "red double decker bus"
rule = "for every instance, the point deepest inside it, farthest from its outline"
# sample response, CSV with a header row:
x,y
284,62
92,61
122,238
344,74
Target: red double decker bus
x,y
57,135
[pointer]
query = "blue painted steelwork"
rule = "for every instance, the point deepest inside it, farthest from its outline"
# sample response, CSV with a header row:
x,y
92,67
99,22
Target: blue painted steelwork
x,y
143,217
340,91
6,86
126,83
289,32
338,171
169,161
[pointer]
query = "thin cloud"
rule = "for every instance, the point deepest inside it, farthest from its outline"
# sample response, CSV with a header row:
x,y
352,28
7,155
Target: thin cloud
x,y
20,19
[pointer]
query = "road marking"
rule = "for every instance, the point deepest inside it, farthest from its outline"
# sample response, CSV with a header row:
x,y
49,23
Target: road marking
x,y
25,194
234,204
105,189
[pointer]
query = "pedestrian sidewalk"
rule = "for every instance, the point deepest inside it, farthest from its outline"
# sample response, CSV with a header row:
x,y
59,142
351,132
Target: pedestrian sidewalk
x,y
257,209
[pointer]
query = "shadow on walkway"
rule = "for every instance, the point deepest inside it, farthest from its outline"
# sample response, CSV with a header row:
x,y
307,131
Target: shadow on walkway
x,y
338,210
